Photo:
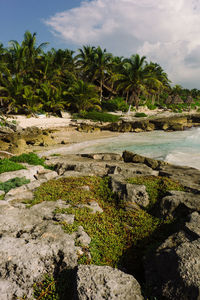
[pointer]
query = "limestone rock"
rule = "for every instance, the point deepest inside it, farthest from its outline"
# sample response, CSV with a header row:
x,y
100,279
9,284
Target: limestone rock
x,y
136,194
133,195
103,156
30,173
98,283
32,244
82,237
187,176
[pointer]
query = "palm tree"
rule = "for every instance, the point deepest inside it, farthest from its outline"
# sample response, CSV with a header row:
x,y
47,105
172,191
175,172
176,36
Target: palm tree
x,y
102,64
157,80
82,96
94,64
133,78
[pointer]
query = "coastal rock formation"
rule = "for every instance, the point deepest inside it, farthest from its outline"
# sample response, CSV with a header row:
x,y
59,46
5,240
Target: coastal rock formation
x,y
98,283
177,204
33,242
173,270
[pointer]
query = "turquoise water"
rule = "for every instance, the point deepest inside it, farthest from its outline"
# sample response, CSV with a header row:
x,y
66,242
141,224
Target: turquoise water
x,y
180,147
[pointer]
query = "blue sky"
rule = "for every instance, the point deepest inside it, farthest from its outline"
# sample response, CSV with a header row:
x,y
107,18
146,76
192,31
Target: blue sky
x,y
166,32
17,16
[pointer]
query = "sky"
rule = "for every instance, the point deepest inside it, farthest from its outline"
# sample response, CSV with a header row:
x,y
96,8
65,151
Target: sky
x,y
166,32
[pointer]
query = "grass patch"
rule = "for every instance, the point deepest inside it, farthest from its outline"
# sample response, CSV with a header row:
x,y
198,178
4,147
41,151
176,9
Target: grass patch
x,y
6,165
113,231
140,115
13,183
156,186
29,158
98,116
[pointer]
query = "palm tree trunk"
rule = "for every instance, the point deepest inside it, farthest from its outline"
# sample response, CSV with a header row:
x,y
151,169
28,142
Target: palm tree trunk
x,y
101,90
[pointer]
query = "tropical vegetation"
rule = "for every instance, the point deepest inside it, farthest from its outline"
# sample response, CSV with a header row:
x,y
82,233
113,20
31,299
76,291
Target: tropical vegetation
x,y
34,81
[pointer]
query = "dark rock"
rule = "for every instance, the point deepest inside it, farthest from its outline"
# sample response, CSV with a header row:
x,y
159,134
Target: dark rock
x,y
173,271
178,203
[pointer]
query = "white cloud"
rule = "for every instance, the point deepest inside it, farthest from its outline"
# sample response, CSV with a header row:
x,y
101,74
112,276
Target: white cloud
x,y
165,31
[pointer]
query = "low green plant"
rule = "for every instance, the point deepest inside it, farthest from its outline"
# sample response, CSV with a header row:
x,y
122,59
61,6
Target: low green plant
x,y
13,183
115,104
7,165
156,186
46,289
29,158
119,237
98,116
140,115
124,228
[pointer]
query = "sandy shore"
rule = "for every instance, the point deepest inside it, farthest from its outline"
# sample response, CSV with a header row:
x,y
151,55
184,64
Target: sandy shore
x,y
42,121
65,135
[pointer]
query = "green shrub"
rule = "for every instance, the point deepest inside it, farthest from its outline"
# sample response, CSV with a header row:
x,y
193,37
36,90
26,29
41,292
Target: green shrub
x,y
115,104
140,115
13,183
151,106
98,116
6,165
29,158
124,228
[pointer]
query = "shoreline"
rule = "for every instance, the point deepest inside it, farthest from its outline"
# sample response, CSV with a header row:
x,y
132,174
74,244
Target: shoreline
x,y
48,133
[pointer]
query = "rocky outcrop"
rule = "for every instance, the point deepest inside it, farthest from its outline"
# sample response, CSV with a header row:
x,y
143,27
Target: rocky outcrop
x,y
98,283
179,204
172,123
173,271
33,242
133,195
18,140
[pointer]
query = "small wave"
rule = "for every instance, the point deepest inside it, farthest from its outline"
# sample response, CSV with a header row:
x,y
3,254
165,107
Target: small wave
x,y
194,138
184,159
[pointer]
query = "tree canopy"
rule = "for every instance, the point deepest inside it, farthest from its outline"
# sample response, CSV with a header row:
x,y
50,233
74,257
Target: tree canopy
x,y
33,81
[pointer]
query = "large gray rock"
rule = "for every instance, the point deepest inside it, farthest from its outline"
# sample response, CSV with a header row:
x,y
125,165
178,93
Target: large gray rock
x,y
103,156
98,283
32,244
178,203
133,195
29,173
173,271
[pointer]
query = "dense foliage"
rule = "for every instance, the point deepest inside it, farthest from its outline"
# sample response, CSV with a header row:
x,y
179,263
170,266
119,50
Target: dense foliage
x,y
6,165
35,81
13,183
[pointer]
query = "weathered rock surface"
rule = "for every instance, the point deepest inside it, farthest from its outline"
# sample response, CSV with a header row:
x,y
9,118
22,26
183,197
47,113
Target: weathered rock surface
x,y
28,173
173,271
188,177
32,244
177,204
133,195
98,283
